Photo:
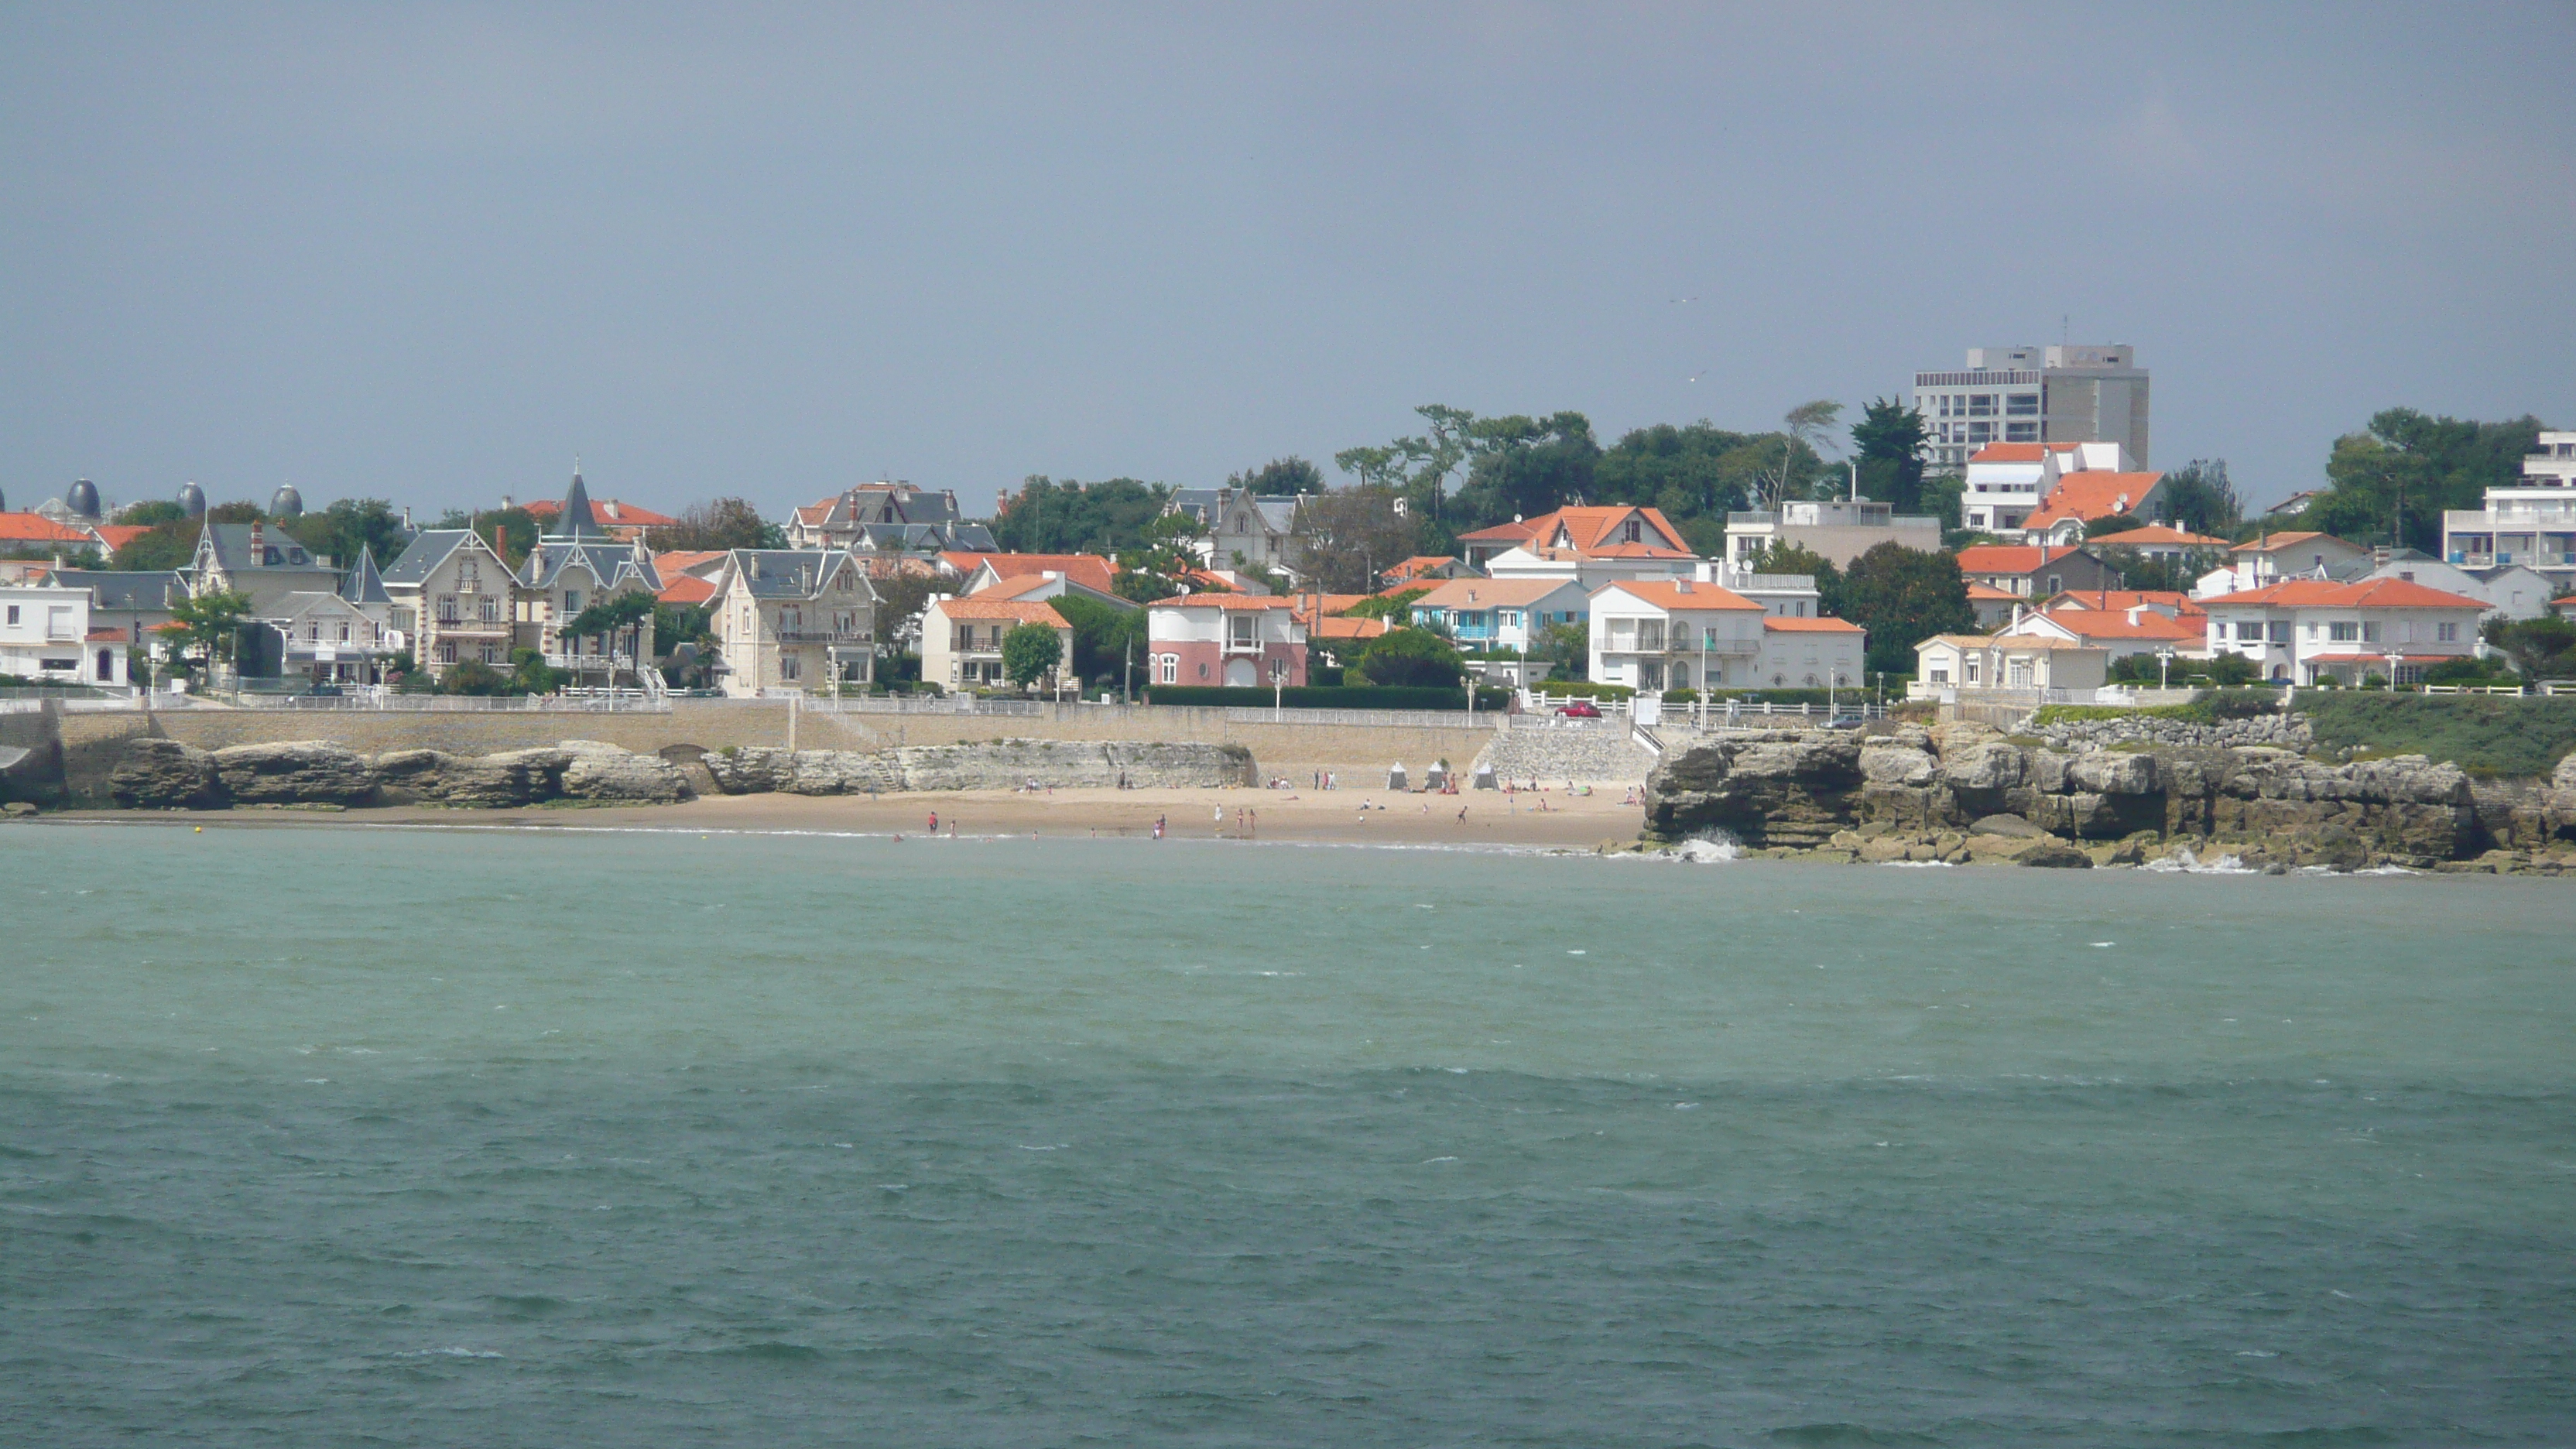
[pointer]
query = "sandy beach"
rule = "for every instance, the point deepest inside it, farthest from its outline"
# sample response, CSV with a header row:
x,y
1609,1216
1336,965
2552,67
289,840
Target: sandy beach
x,y
1547,818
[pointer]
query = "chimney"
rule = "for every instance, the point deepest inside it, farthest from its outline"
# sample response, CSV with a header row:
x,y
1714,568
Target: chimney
x,y
407,518
1679,586
258,541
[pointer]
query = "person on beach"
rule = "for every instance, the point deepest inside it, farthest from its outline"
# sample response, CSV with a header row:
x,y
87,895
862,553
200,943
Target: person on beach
x,y
934,822
1158,827
1462,814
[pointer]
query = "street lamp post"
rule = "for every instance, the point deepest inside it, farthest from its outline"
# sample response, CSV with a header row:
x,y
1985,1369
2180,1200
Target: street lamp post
x,y
2164,666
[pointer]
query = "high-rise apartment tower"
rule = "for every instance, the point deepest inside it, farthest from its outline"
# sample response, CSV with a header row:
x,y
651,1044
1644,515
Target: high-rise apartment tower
x,y
2087,394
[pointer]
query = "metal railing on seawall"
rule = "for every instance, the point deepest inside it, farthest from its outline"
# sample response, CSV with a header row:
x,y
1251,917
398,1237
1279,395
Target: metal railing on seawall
x,y
1428,719
623,701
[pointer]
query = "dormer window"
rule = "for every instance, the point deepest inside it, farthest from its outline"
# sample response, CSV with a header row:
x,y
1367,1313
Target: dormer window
x,y
1636,530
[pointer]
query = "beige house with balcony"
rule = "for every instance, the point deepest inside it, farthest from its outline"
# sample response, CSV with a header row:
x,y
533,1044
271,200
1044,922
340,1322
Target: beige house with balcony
x,y
961,640
793,621
454,601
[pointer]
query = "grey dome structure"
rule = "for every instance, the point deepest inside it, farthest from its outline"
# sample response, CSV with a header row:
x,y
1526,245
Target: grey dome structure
x,y
192,500
82,498
286,502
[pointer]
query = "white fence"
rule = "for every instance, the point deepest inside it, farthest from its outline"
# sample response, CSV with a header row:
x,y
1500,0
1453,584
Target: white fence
x,y
600,701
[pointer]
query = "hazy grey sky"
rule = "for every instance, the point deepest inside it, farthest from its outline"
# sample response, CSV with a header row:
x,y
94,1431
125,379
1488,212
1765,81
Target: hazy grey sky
x,y
431,253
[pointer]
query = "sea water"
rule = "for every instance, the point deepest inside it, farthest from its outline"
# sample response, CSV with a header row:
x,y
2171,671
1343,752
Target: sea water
x,y
341,1135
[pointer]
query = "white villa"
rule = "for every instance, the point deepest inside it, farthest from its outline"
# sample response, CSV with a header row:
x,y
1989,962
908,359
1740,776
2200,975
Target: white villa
x,y
45,634
1682,634
2304,630
1952,664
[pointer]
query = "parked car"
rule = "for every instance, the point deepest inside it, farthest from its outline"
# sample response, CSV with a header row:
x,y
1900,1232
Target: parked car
x,y
1580,709
324,688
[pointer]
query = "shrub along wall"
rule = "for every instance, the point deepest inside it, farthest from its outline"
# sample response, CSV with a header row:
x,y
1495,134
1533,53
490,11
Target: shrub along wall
x,y
1348,696
2483,734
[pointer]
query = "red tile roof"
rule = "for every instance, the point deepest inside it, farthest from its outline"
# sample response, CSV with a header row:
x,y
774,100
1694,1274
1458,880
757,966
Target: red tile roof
x,y
118,535
2009,453
1420,564
1780,625
686,589
1342,628
1490,593
1679,594
2093,494
2008,558
2183,605
984,606
683,560
1087,569
2091,624
105,636
37,528
2267,543
610,512
2368,594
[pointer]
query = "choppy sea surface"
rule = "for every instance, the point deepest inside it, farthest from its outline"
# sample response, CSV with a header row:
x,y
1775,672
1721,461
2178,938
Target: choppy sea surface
x,y
336,1136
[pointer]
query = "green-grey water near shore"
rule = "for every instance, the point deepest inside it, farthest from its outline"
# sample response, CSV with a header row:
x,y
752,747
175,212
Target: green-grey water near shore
x,y
332,1135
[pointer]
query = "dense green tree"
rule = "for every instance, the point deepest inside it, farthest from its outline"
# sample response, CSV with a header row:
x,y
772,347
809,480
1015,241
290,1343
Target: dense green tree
x,y
718,524
1940,498
235,512
678,624
2542,648
1521,467
1789,558
1109,517
1414,657
1279,477
208,626
610,615
1903,596
2391,482
1888,442
1694,474
1106,638
511,531
151,513
2200,499
1029,651
350,524
1345,541
900,599
164,546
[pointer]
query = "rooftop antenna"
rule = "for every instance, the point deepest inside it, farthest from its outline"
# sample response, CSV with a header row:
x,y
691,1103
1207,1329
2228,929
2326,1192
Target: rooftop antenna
x,y
2065,333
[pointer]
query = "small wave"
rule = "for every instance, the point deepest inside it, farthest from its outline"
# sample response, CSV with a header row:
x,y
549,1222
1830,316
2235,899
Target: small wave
x,y
2183,862
452,1352
1920,864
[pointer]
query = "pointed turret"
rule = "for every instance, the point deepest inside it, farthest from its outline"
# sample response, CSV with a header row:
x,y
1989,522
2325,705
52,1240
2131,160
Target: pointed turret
x,y
362,584
575,520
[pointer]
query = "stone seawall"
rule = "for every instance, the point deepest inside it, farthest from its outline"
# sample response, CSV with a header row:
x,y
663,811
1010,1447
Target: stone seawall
x,y
2283,731
995,765
1963,791
151,773
93,743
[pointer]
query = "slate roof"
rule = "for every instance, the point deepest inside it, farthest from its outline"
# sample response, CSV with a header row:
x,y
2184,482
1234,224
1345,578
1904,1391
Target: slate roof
x,y
772,573
231,545
363,585
430,549
144,589
608,562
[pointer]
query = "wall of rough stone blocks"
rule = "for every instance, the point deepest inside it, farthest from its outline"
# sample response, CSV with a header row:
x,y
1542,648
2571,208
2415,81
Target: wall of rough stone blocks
x,y
1357,753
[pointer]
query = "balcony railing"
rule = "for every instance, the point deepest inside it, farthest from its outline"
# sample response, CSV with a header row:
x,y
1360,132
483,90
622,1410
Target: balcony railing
x,y
825,636
471,626
590,661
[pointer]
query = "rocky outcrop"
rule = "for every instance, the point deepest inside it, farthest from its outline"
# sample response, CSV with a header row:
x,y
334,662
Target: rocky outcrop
x,y
294,772
998,765
158,774
1891,795
165,775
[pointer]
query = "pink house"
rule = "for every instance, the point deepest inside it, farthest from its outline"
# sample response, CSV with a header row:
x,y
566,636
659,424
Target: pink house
x,y
1238,640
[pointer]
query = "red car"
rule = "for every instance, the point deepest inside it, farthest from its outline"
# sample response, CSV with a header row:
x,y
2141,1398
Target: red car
x,y
1580,709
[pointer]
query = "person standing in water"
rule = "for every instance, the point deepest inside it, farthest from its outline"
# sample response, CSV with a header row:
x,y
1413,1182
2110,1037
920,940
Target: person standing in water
x,y
934,822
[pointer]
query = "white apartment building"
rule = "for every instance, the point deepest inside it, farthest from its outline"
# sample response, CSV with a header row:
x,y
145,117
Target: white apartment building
x,y
1837,529
45,634
2532,524
2304,630
2071,394
1660,634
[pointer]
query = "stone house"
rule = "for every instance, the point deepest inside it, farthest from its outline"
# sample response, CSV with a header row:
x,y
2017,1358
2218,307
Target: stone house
x,y
577,564
454,600
793,620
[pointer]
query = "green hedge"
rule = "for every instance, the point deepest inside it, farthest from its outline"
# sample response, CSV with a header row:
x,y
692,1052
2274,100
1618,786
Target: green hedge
x,y
1584,689
1348,696
2484,734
